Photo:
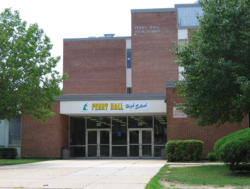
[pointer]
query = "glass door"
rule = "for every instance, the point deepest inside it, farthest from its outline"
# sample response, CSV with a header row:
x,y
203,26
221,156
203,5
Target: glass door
x,y
140,143
146,143
98,143
104,144
92,144
134,144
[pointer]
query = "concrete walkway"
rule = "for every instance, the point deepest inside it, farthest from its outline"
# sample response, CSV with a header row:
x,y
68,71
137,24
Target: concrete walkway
x,y
87,174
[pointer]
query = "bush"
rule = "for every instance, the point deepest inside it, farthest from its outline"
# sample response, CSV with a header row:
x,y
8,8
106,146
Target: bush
x,y
234,150
8,153
211,156
183,150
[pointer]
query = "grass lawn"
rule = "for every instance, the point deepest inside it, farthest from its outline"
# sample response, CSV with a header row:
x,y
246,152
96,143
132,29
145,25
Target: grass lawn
x,y
218,175
154,182
20,161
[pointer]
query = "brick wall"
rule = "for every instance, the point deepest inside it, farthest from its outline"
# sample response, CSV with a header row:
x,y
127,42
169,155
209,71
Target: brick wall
x,y
95,66
182,128
152,64
44,140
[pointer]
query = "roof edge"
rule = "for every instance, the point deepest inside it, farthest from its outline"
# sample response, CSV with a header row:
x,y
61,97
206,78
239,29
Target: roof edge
x,y
96,38
78,97
153,10
187,5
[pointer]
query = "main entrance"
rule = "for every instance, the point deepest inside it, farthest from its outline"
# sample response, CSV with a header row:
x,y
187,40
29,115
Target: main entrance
x,y
140,143
117,136
98,143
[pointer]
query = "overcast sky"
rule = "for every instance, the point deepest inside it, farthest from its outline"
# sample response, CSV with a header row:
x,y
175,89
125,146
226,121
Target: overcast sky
x,y
82,18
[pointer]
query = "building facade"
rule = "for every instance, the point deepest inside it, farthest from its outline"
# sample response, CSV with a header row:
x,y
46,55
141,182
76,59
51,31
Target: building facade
x,y
119,99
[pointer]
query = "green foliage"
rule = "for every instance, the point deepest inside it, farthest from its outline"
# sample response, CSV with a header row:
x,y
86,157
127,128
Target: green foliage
x,y
211,156
216,83
234,150
8,153
183,150
28,81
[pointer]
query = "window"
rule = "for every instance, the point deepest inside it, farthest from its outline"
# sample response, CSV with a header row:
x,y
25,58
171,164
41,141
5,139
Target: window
x,y
15,131
129,90
2,132
182,41
128,58
187,16
77,131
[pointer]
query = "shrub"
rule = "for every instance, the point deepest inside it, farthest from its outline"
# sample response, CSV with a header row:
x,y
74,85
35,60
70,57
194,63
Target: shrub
x,y
234,150
211,156
183,150
8,153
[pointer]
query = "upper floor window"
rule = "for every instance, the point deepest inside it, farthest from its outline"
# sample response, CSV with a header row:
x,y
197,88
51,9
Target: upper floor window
x,y
187,16
128,58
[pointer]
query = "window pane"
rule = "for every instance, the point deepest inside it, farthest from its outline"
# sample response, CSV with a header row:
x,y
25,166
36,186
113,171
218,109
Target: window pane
x,y
104,151
182,42
2,132
77,131
160,130
146,151
140,121
158,150
133,137
146,137
77,151
15,131
187,16
134,150
98,122
119,151
129,90
119,130
92,137
104,137
92,151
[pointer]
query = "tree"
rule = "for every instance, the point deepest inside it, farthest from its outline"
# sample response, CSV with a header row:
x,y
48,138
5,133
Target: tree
x,y
216,83
28,81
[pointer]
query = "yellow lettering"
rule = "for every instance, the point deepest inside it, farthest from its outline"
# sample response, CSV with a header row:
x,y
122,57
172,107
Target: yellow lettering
x,y
102,106
93,106
99,106
115,106
106,106
112,106
121,107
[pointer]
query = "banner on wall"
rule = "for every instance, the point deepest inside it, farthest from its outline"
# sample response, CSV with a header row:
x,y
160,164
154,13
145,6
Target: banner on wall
x,y
114,106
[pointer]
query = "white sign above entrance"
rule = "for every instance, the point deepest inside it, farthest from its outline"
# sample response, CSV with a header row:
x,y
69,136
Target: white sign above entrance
x,y
178,114
114,106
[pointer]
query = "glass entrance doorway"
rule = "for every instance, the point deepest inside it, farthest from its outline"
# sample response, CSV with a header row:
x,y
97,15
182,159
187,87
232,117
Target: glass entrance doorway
x,y
98,143
140,143
117,136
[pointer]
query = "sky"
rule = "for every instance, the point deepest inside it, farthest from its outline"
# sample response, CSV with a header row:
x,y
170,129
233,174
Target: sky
x,y
81,18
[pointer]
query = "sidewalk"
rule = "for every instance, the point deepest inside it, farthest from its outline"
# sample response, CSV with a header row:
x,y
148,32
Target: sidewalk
x,y
86,174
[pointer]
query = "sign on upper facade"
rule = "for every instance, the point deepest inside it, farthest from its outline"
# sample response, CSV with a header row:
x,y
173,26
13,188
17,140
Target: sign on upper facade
x,y
114,106
147,29
178,114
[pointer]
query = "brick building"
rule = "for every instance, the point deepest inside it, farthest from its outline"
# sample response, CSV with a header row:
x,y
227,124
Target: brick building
x,y
118,100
